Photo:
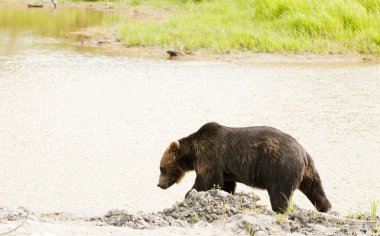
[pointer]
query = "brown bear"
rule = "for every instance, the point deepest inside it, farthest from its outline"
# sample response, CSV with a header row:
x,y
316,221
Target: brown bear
x,y
261,157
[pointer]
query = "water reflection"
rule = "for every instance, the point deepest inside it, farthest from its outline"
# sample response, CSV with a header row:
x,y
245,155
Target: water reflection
x,y
17,24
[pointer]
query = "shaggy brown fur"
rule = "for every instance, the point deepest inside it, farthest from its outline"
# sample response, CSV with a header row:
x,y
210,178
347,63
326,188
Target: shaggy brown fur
x,y
170,172
261,157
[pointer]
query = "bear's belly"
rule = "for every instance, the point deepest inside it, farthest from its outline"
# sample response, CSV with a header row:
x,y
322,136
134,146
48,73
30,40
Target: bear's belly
x,y
257,183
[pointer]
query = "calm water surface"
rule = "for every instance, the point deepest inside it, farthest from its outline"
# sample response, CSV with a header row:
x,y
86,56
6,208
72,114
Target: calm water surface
x,y
82,132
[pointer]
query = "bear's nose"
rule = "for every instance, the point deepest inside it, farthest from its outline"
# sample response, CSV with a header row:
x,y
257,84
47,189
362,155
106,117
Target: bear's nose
x,y
163,186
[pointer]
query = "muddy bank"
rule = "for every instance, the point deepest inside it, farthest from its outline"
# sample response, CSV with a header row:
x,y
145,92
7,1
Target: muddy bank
x,y
207,213
107,39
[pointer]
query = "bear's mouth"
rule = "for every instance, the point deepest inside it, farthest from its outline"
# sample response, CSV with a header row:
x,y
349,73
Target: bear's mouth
x,y
165,186
162,186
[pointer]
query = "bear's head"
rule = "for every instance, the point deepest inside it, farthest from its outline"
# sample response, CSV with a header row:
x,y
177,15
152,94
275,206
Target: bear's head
x,y
170,172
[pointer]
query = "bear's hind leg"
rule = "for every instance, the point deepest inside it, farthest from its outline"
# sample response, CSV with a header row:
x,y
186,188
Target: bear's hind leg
x,y
229,186
312,188
279,199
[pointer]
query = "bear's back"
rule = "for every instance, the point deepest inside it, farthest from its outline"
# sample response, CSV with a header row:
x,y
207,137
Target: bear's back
x,y
239,138
213,128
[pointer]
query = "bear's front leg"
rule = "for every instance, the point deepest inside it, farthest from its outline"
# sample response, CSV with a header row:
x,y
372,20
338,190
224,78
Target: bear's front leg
x,y
207,181
229,187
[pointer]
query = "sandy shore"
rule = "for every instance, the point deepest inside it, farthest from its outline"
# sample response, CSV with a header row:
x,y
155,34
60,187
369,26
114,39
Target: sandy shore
x,y
201,213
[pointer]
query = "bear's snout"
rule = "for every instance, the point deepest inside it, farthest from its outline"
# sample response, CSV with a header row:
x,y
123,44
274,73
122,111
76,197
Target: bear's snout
x,y
162,186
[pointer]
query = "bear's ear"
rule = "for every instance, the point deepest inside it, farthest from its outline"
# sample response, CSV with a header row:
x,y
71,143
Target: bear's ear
x,y
175,145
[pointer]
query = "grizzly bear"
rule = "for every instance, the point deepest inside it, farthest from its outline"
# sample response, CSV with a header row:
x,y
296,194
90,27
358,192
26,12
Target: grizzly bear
x,y
261,157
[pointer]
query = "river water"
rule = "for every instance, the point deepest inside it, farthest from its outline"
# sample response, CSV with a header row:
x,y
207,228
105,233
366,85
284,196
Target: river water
x,y
83,132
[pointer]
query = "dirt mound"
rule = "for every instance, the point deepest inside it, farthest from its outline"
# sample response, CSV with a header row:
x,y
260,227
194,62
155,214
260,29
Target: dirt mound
x,y
213,212
198,206
240,214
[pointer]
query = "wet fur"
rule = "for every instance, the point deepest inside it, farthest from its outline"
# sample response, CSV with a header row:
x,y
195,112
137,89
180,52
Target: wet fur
x,y
261,157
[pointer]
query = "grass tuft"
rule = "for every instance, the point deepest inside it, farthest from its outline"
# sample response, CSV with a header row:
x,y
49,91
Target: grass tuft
x,y
291,208
196,218
280,218
248,229
316,26
373,210
360,215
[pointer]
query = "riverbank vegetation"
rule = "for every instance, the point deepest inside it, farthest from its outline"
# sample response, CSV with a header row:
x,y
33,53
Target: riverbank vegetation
x,y
285,26
295,26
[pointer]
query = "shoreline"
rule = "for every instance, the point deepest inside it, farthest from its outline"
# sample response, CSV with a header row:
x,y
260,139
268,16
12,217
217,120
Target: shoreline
x,y
109,41
90,37
213,212
106,39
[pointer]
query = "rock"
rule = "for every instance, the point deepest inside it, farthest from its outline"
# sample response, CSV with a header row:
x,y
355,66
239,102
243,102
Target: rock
x,y
174,53
34,5
260,233
201,224
14,214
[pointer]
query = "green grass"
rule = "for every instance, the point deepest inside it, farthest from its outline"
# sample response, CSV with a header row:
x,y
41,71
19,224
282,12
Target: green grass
x,y
350,215
280,218
360,215
216,187
293,26
291,208
373,210
290,26
248,229
196,218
